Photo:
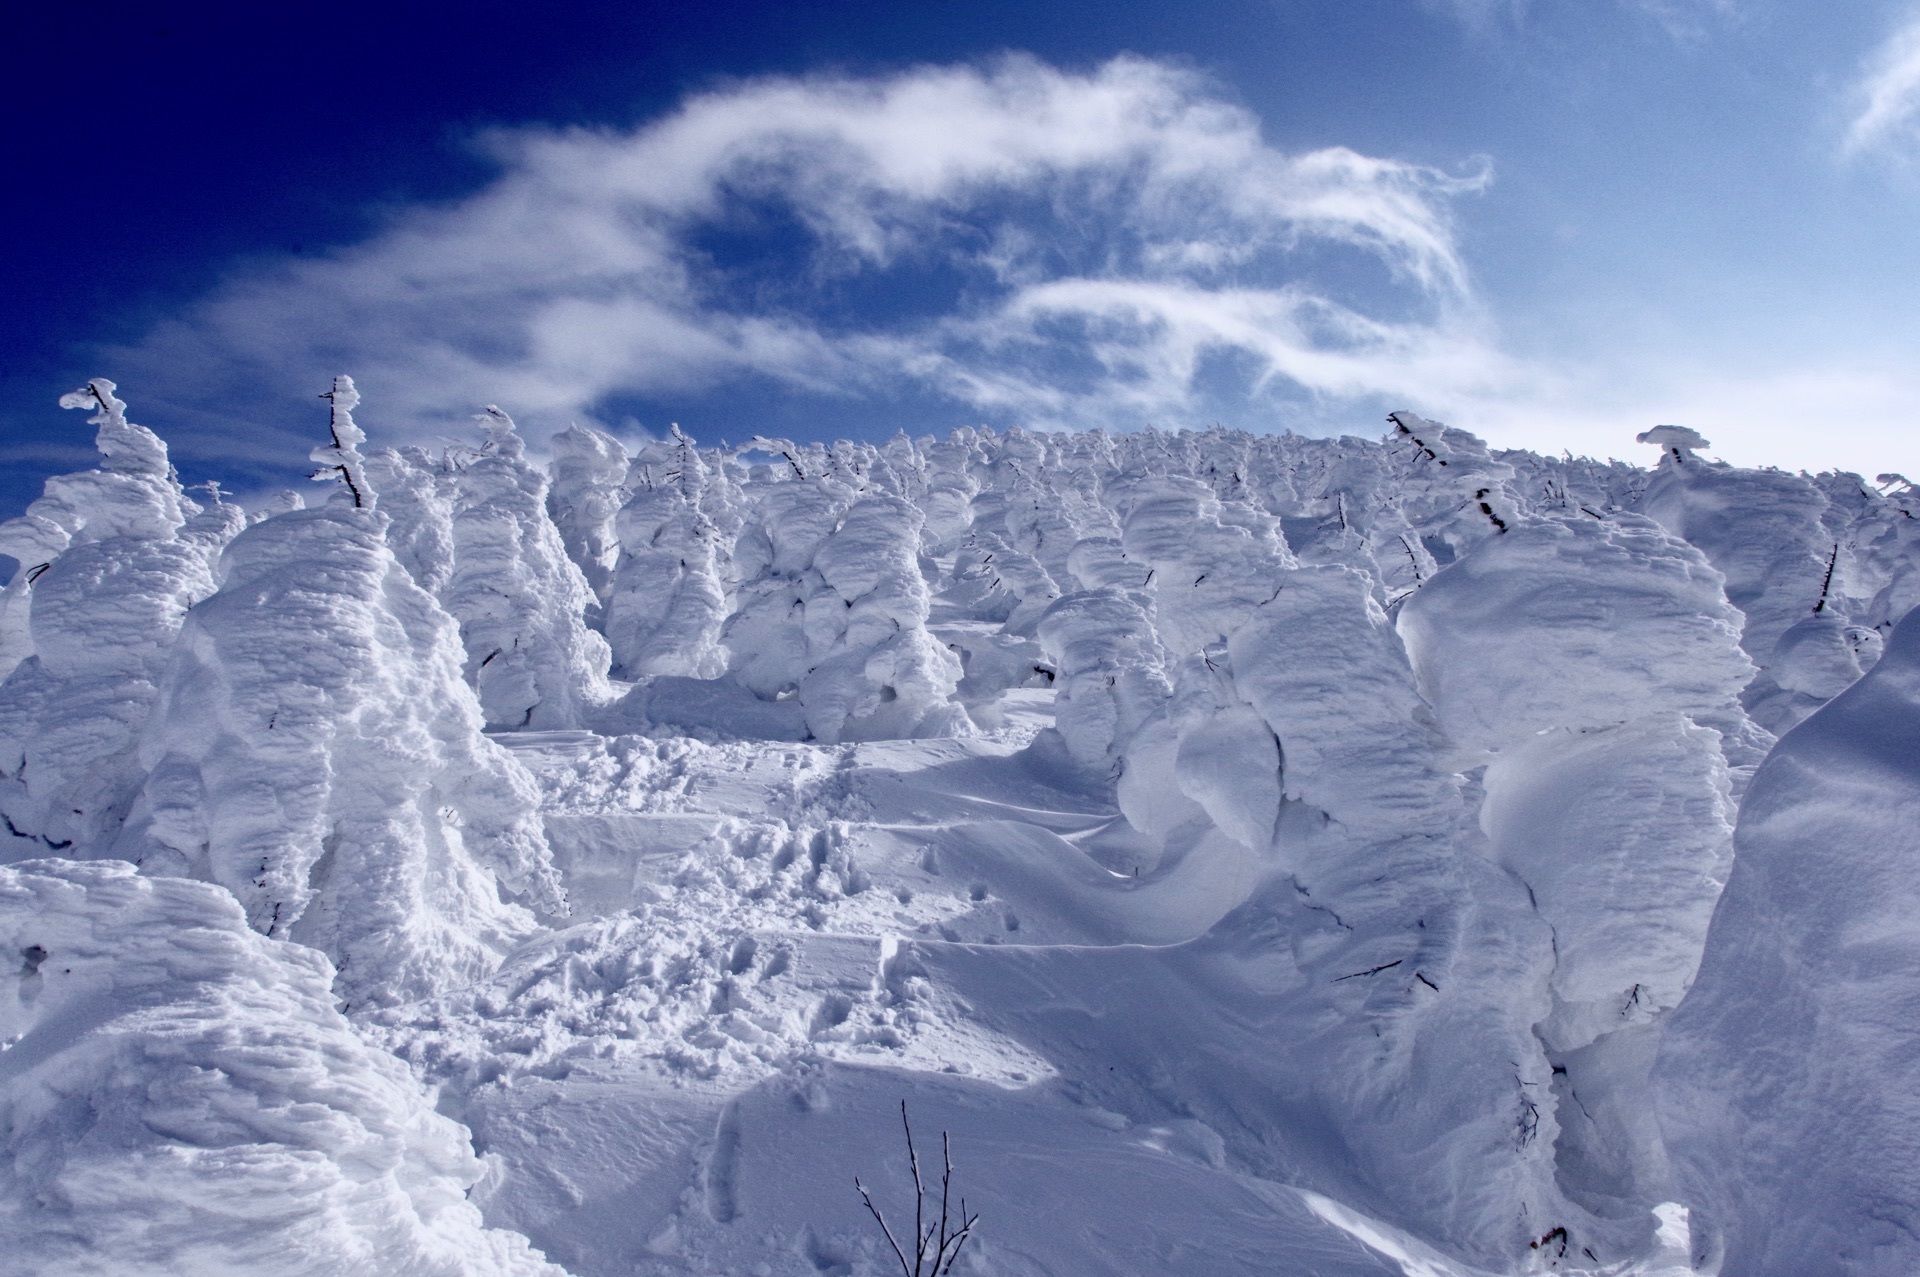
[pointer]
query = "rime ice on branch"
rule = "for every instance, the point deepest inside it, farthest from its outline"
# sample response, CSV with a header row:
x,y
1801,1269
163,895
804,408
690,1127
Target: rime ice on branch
x,y
340,459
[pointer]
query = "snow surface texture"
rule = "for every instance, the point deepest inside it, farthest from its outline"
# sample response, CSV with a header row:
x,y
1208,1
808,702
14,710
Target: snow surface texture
x,y
1791,1081
1262,854
181,1096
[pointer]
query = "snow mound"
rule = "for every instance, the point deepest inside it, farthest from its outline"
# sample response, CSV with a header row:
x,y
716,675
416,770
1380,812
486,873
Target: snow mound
x,y
181,1096
1574,623
1789,1076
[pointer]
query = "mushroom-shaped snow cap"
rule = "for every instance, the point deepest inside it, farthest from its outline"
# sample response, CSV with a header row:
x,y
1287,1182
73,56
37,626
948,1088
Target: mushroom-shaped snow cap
x,y
1680,439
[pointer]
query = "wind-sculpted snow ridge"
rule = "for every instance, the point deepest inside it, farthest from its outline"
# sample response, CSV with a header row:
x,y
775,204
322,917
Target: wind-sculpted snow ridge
x,y
181,1097
1790,1082
1274,854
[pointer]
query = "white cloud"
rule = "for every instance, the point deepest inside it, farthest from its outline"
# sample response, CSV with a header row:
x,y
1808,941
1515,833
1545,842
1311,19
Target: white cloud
x,y
1132,198
1147,344
1886,97
1130,251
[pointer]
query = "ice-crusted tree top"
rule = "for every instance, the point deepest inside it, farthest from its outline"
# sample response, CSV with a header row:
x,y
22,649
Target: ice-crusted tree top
x,y
133,491
502,438
124,447
1681,442
341,457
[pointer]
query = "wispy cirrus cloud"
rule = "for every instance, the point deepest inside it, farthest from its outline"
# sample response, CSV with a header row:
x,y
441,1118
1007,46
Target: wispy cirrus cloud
x,y
1885,99
1128,221
1684,20
1479,15
1144,349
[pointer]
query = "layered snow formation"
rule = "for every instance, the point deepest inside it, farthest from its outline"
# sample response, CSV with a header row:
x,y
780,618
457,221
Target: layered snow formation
x,y
110,561
181,1096
1262,854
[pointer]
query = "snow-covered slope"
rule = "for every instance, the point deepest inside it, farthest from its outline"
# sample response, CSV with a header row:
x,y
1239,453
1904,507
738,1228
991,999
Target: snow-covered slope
x,y
1261,854
1791,1078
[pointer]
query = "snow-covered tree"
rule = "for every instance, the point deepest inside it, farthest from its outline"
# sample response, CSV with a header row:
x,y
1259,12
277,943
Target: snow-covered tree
x,y
666,601
1595,667
1408,956
1762,529
876,672
416,495
1109,674
994,581
1789,1084
314,750
765,635
520,601
122,565
587,470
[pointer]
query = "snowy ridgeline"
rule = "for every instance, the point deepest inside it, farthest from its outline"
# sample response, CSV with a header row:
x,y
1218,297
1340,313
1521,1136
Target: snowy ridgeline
x,y
1358,815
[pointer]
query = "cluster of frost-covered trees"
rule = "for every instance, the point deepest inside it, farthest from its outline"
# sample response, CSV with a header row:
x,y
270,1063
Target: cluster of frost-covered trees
x,y
1480,721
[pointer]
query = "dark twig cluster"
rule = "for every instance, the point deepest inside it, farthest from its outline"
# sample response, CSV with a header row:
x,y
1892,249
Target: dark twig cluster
x,y
936,1246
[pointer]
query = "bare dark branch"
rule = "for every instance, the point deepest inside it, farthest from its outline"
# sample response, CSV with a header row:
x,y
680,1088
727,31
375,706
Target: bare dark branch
x,y
882,1221
936,1245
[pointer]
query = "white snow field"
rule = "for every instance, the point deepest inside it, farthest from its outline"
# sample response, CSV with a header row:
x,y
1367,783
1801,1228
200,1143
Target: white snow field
x,y
1259,854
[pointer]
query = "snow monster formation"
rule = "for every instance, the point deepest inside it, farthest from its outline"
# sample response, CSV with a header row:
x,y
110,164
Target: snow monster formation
x,y
1265,853
110,561
314,750
1790,1083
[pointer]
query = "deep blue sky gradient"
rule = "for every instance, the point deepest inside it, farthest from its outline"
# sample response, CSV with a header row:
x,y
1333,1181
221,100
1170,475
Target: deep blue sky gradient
x,y
1655,194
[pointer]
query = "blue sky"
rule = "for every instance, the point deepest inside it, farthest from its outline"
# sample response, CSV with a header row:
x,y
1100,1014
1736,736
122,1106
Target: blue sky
x,y
1553,222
